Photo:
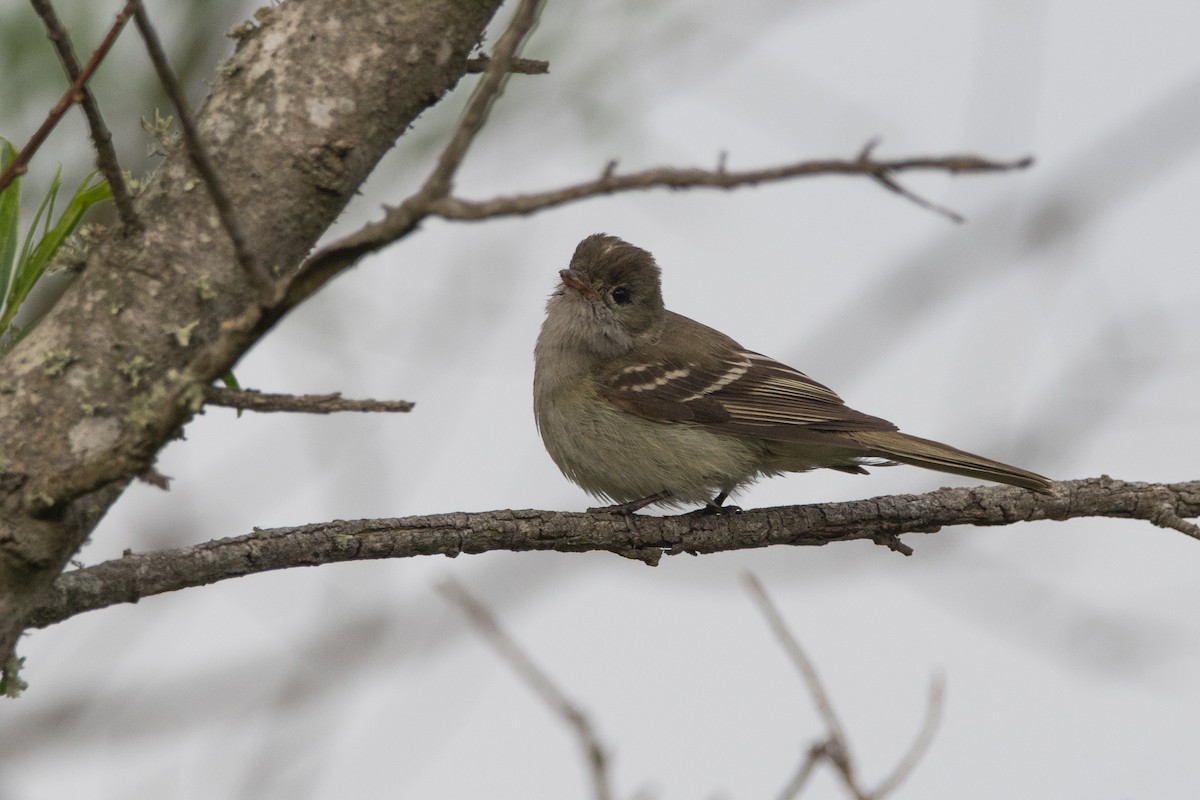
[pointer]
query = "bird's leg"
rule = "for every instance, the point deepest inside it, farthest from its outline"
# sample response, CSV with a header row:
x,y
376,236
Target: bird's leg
x,y
715,506
627,509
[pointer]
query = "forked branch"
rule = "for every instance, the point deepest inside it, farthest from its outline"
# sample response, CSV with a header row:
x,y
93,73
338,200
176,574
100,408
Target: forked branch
x,y
834,748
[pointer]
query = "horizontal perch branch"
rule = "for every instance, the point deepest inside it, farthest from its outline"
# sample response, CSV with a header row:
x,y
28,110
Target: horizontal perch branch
x,y
879,519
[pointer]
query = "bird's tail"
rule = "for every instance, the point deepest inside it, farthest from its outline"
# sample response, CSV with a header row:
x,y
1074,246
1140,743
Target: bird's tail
x,y
897,446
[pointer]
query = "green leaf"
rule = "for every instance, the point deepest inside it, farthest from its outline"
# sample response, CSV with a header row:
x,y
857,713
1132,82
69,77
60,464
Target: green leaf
x,y
10,210
35,259
231,382
46,209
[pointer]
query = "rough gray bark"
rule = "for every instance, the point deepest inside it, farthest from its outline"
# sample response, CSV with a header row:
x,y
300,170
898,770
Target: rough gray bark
x,y
879,519
296,121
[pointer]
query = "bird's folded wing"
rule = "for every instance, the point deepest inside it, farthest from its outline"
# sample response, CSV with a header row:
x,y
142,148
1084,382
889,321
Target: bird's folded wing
x,y
740,392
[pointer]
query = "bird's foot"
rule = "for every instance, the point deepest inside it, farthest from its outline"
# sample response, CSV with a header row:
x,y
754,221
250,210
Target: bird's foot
x,y
627,509
714,507
712,510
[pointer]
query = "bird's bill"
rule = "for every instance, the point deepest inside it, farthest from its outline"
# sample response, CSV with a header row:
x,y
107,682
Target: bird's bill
x,y
572,279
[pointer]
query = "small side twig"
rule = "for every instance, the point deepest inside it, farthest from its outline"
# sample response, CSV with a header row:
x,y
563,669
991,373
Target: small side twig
x,y
518,66
69,98
885,179
1164,516
251,400
196,152
892,542
535,679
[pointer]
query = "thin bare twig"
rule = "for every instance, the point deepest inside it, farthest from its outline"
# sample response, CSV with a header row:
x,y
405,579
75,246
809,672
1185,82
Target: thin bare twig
x,y
251,400
538,681
518,66
610,182
495,75
196,152
835,748
920,745
435,197
888,182
400,220
69,98
106,156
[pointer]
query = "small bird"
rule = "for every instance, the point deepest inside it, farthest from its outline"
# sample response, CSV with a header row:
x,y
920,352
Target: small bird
x,y
639,405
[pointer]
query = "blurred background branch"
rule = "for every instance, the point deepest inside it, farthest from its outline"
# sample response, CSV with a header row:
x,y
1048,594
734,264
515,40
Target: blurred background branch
x,y
834,747
485,623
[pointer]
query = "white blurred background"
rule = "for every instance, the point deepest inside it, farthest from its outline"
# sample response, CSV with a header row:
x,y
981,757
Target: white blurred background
x,y
1056,329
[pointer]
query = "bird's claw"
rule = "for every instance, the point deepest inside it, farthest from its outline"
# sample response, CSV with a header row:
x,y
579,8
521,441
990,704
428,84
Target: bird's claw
x,y
712,510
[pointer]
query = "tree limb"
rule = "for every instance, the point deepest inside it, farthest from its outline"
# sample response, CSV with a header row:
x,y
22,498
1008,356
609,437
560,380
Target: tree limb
x,y
120,363
128,579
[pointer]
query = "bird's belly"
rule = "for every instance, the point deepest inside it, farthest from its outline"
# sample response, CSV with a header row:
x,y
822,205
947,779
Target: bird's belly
x,y
622,457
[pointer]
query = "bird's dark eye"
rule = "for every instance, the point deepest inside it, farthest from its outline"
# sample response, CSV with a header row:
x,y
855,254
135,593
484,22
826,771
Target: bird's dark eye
x,y
621,295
